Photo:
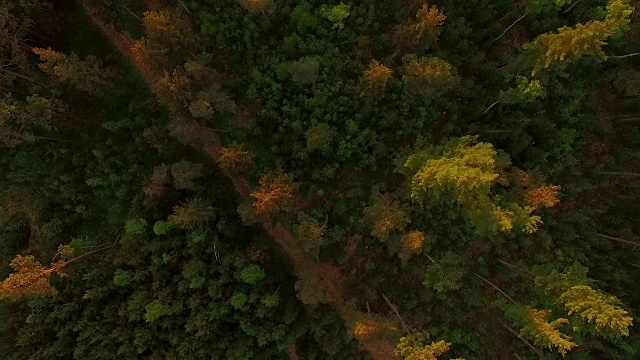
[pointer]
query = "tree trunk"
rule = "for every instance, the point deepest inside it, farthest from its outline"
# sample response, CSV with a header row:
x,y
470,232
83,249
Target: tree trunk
x,y
497,288
395,311
535,349
510,26
613,238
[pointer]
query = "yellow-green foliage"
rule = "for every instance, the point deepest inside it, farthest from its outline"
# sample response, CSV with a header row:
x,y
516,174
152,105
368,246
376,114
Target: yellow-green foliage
x,y
466,169
595,307
546,333
584,39
411,347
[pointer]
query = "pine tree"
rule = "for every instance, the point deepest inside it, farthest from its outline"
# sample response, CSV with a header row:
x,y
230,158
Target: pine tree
x,y
31,279
412,347
235,158
191,214
87,75
598,308
166,29
430,76
172,90
465,170
571,289
20,121
543,196
546,333
376,76
426,25
412,243
184,173
386,215
157,183
569,44
276,193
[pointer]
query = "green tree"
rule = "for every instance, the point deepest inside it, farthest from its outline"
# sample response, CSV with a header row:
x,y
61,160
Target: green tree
x,y
191,214
430,76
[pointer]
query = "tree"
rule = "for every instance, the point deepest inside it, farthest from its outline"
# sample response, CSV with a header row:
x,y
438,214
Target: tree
x,y
445,274
31,279
412,243
412,347
465,170
430,76
376,76
336,14
276,193
569,44
525,92
304,71
546,333
184,173
191,214
157,183
319,137
166,29
543,196
426,25
310,235
385,216
87,75
20,121
235,158
571,289
172,90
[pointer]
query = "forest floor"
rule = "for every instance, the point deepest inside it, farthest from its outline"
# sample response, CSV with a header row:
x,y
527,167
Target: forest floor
x,y
208,141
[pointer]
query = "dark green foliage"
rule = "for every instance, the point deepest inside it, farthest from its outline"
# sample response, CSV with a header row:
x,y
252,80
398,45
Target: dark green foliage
x,y
286,84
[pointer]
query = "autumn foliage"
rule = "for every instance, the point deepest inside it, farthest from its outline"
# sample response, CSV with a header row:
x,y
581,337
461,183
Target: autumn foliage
x,y
31,278
386,215
275,193
543,196
376,76
426,25
235,158
428,75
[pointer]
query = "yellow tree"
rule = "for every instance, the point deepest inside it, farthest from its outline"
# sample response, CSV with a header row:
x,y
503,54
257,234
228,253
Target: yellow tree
x,y
412,347
428,76
412,243
569,44
426,25
465,170
32,279
546,333
275,193
604,311
375,77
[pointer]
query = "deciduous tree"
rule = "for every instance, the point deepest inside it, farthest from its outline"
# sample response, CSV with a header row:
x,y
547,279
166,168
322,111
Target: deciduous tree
x,y
376,76
191,214
385,216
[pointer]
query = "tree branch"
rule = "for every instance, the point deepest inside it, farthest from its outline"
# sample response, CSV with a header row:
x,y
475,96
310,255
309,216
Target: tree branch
x,y
613,238
497,288
395,311
510,26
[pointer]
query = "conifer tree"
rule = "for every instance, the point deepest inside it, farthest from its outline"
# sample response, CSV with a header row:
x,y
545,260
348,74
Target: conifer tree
x,y
376,76
546,333
386,215
426,25
184,173
87,75
235,158
412,347
569,44
571,289
31,279
430,76
166,29
275,193
172,90
191,214
465,170
20,121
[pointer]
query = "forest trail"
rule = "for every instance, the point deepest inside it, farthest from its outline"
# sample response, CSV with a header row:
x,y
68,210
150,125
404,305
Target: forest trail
x,y
205,138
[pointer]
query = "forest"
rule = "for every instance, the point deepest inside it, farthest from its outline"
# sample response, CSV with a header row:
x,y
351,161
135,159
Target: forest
x,y
319,179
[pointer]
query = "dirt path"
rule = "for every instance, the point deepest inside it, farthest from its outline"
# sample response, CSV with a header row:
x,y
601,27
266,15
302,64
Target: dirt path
x,y
206,139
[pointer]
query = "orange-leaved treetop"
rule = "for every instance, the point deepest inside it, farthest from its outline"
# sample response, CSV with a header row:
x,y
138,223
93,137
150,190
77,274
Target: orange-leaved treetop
x,y
32,279
276,193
